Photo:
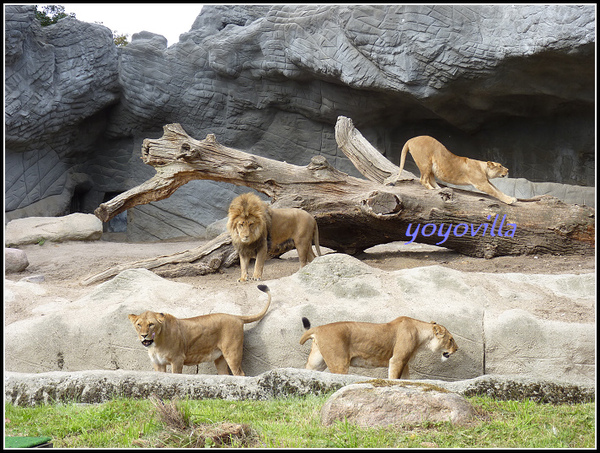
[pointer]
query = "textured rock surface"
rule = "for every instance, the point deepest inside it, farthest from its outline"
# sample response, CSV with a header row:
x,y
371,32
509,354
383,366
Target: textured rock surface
x,y
72,227
369,405
513,84
99,386
511,387
479,309
516,338
23,389
59,81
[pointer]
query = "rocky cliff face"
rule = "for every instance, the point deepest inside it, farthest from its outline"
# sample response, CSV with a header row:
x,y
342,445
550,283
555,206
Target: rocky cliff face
x,y
514,84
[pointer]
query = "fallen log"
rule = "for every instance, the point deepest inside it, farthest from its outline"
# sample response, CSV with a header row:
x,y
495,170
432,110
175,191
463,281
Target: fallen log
x,y
355,214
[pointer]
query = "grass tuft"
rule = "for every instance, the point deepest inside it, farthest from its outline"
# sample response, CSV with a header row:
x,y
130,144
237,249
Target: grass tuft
x,y
171,414
180,432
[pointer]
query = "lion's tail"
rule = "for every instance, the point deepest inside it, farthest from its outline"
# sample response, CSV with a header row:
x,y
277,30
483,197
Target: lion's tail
x,y
309,331
316,240
405,150
258,317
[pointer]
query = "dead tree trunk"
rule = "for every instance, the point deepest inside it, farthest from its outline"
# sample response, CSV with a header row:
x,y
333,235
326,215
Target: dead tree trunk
x,y
353,214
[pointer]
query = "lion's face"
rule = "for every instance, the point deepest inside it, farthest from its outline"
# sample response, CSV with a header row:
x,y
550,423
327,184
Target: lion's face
x,y
247,219
443,342
496,170
248,229
148,326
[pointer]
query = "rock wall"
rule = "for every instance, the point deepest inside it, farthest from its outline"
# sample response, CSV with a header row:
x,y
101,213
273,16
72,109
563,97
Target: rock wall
x,y
59,82
499,321
514,84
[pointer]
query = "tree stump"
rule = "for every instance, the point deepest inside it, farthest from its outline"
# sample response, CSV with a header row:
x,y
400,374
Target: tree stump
x,y
353,214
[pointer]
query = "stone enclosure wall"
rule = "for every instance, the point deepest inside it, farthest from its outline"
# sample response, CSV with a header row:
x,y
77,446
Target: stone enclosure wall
x,y
514,84
492,317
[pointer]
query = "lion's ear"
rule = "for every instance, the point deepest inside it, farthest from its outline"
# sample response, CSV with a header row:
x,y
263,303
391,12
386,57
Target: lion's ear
x,y
160,317
437,329
133,318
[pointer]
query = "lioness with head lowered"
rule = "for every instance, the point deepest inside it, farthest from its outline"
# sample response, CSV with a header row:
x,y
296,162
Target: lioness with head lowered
x,y
217,337
255,227
434,160
339,345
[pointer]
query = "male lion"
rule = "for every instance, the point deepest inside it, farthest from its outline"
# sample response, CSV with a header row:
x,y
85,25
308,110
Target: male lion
x,y
340,344
434,160
190,341
255,227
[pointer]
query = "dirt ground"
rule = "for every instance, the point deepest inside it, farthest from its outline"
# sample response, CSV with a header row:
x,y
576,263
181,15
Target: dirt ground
x,y
64,265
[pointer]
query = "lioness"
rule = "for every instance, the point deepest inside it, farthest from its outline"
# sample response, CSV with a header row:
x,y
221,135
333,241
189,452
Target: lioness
x,y
340,344
255,227
190,341
434,160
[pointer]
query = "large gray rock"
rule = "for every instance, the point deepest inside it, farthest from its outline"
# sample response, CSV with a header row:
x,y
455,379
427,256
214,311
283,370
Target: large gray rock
x,y
479,309
72,227
490,82
394,405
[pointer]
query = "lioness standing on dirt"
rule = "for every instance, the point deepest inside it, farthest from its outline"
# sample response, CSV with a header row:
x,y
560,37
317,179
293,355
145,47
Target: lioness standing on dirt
x,y
434,160
255,227
217,337
339,345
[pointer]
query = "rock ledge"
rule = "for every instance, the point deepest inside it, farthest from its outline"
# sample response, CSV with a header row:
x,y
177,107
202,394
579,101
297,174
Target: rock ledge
x,y
97,386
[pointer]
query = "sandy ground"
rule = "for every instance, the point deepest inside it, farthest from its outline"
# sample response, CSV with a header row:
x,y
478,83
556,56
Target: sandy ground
x,y
64,265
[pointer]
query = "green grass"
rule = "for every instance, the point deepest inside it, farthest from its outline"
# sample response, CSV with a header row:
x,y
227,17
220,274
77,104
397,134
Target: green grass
x,y
295,423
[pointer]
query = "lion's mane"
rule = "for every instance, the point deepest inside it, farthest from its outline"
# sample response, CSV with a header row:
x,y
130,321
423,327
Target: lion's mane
x,y
248,207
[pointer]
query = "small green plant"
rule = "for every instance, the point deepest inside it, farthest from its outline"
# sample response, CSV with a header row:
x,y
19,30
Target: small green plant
x,y
41,241
51,14
120,40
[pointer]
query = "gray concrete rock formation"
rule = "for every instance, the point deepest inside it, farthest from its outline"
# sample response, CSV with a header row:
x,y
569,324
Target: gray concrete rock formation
x,y
486,313
98,386
59,82
509,83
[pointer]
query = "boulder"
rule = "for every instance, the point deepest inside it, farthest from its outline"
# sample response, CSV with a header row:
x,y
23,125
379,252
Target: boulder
x,y
477,308
395,404
15,260
72,227
489,81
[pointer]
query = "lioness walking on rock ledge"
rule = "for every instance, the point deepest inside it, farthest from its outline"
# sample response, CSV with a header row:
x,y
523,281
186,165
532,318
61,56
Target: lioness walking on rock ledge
x,y
190,341
339,345
255,227
434,160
